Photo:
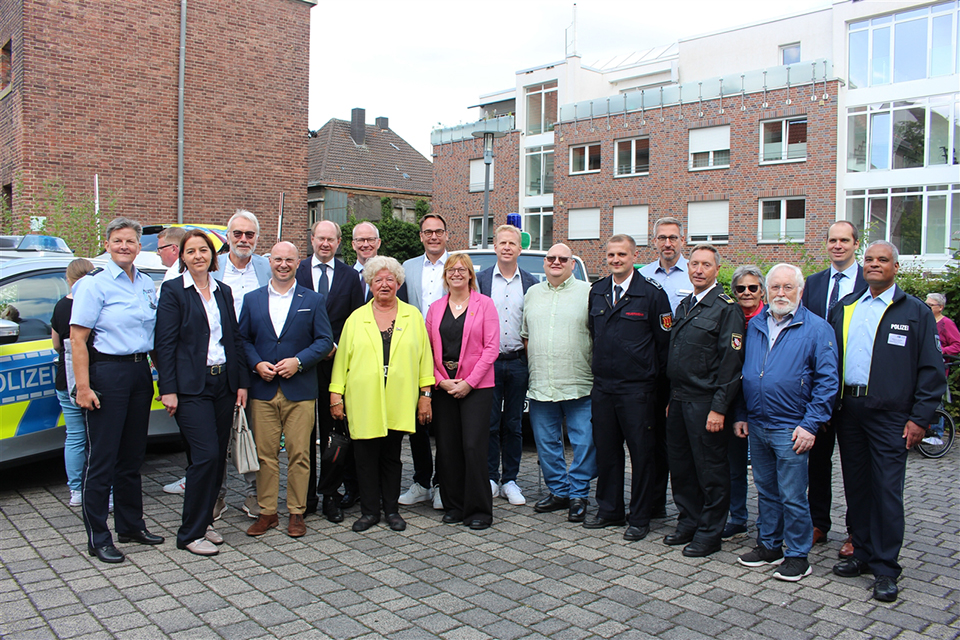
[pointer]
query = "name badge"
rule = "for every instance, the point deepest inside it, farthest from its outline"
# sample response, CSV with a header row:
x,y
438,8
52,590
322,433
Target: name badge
x,y
897,340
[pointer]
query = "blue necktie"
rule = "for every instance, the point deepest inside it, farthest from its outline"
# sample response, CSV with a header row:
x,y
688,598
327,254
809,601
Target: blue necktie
x,y
835,294
617,294
323,286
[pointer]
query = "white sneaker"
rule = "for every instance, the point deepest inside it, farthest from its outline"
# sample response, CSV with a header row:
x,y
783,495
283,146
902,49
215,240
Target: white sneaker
x,y
437,502
494,488
203,547
176,487
76,498
932,440
212,535
512,492
415,494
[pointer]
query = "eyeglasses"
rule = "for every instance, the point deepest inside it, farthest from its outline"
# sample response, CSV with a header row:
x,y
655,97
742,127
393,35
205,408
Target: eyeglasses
x,y
365,240
740,288
432,232
249,234
457,270
560,259
785,288
165,246
279,261
670,238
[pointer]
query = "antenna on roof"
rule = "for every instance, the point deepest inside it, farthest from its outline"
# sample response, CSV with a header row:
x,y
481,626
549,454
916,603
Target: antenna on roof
x,y
570,44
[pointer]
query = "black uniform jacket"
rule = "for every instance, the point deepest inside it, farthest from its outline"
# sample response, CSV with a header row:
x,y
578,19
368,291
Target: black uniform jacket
x,y
906,369
630,339
706,350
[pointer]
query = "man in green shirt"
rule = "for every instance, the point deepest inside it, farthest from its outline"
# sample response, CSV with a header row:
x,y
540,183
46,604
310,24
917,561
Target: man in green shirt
x,y
556,334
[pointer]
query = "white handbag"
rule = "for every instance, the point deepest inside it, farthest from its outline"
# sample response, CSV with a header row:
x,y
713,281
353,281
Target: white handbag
x,y
244,447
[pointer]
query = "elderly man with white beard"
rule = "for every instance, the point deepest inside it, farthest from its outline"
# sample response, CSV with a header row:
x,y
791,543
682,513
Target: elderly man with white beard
x,y
790,381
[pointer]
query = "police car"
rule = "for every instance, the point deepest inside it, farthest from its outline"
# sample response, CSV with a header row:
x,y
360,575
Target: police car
x,y
31,424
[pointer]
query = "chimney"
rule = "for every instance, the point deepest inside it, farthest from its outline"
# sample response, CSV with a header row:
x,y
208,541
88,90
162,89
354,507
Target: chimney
x,y
383,123
358,126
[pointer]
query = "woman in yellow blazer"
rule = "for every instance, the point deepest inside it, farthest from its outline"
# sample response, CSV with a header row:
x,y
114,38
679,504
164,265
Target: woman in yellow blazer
x,y
382,377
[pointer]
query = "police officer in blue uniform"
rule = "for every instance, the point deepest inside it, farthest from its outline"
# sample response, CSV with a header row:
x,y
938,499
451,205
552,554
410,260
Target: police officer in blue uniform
x,y
114,387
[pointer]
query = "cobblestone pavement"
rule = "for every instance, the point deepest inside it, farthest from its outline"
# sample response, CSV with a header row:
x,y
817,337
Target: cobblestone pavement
x,y
530,576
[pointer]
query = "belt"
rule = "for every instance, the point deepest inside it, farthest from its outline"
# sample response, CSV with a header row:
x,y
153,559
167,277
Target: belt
x,y
106,357
513,355
216,369
452,365
853,392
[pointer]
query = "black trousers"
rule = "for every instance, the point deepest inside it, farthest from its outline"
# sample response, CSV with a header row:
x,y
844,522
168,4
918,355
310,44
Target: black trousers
x,y
422,456
699,471
116,444
462,429
328,481
378,472
205,421
619,419
661,466
873,458
820,474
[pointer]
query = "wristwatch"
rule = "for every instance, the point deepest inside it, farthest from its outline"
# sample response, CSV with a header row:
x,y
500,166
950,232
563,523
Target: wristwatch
x,y
299,366
426,394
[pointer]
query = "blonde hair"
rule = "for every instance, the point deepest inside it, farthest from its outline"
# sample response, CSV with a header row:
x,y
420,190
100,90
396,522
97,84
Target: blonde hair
x,y
459,257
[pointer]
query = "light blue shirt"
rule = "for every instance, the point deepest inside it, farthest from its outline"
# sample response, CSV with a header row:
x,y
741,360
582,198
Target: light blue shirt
x,y
675,282
121,314
846,283
858,352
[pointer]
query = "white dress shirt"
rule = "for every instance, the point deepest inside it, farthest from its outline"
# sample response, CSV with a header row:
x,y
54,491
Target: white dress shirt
x,y
216,354
847,282
507,296
625,285
279,304
316,271
240,281
363,283
431,282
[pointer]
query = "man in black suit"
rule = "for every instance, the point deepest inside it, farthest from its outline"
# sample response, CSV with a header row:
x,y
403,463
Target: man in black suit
x,y
507,283
820,293
366,243
342,293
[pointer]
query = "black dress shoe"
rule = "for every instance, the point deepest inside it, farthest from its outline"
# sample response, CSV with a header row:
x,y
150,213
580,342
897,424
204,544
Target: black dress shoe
x,y
578,510
332,510
108,554
365,522
143,537
678,538
851,568
597,522
452,517
478,525
885,589
636,533
349,499
551,503
701,549
396,522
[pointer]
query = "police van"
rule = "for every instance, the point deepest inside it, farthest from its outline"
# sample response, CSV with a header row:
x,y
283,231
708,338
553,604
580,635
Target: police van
x,y
31,423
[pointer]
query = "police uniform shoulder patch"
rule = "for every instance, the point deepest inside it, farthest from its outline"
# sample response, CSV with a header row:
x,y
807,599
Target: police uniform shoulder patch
x,y
653,282
736,341
727,298
666,321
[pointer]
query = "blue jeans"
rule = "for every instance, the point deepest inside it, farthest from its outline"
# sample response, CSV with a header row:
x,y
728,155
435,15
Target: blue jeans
x,y
506,439
546,420
780,475
737,453
75,446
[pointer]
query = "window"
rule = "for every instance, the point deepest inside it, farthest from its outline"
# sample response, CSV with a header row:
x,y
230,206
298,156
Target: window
x,y
918,220
632,221
633,156
903,135
708,221
476,232
710,147
6,198
6,66
782,220
29,302
585,158
790,53
910,45
583,224
783,140
538,222
541,107
539,171
478,175
314,212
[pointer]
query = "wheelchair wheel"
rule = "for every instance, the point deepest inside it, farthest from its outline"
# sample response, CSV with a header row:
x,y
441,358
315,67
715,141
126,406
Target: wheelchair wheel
x,y
934,445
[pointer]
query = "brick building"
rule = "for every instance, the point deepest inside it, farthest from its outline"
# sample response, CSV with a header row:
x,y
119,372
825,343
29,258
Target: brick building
x,y
92,88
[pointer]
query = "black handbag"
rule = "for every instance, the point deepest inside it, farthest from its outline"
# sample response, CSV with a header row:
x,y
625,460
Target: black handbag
x,y
338,442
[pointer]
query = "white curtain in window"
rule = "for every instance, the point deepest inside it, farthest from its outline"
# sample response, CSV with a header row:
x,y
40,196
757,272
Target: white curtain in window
x,y
477,174
709,139
632,221
584,224
710,218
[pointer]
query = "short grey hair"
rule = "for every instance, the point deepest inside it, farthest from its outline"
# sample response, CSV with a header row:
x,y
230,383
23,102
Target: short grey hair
x,y
246,215
313,229
377,264
797,274
939,298
123,223
173,234
376,231
884,243
747,270
667,220
707,247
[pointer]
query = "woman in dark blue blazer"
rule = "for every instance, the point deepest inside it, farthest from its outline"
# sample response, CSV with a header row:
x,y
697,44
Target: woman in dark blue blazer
x,y
202,376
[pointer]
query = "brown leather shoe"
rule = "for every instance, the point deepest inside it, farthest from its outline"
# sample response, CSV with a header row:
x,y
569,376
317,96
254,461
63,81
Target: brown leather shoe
x,y
263,524
296,528
819,537
846,551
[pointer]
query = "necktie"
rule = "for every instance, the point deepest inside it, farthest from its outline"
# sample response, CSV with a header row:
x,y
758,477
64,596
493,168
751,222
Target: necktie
x,y
835,294
323,286
617,293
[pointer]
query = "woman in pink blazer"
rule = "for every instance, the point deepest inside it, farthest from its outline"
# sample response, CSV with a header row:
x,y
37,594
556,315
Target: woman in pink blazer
x,y
464,333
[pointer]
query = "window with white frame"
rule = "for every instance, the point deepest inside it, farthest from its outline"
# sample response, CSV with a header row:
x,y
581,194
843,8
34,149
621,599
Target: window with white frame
x,y
585,158
633,156
583,224
782,220
917,220
476,232
541,107
539,171
478,175
633,221
790,53
538,222
783,140
708,221
910,45
710,147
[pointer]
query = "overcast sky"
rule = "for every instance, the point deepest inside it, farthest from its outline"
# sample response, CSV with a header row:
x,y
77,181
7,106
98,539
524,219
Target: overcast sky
x,y
421,63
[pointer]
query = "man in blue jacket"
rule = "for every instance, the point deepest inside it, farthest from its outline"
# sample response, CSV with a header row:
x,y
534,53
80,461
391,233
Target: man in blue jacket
x,y
789,386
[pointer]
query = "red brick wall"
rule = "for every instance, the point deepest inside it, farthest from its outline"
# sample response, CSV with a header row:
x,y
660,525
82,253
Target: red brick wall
x,y
11,112
100,96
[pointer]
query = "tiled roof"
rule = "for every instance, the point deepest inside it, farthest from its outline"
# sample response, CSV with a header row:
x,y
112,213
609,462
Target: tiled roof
x,y
385,162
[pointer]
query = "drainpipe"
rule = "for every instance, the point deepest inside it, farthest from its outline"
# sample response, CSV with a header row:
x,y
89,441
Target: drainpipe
x,y
183,62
